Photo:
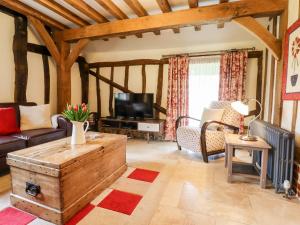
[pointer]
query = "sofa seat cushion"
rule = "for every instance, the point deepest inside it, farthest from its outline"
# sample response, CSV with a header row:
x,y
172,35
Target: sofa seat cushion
x,y
40,136
10,144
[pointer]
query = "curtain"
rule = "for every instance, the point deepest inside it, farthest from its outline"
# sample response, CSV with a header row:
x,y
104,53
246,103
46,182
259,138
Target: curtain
x,y
177,99
204,75
233,76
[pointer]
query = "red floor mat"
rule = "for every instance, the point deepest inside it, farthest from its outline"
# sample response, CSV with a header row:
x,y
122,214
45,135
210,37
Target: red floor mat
x,y
144,175
12,216
120,201
81,214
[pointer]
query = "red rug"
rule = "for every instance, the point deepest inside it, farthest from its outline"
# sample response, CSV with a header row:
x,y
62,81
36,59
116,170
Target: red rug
x,y
120,201
144,175
81,214
12,216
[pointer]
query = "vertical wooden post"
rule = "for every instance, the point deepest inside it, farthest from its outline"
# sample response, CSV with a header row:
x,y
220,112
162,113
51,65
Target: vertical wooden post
x,y
98,92
143,78
265,83
111,92
84,75
259,82
272,75
46,79
20,58
63,77
126,76
159,88
278,100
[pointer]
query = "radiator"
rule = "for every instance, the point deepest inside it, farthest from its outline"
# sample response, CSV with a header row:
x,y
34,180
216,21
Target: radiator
x,y
281,156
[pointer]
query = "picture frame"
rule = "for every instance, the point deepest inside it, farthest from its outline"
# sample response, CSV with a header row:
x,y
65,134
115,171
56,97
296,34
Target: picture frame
x,y
291,63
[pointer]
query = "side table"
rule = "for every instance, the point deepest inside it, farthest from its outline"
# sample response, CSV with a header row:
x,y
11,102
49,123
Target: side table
x,y
232,142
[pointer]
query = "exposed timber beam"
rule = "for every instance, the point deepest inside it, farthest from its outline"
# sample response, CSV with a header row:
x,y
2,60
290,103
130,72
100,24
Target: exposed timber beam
x,y
87,10
47,39
165,7
221,24
194,4
255,28
139,10
76,51
201,15
59,9
114,10
28,11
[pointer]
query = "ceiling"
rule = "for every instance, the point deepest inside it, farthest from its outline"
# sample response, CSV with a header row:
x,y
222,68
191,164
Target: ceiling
x,y
151,6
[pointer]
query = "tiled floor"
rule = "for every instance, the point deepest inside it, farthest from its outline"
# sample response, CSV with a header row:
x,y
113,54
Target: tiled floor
x,y
186,192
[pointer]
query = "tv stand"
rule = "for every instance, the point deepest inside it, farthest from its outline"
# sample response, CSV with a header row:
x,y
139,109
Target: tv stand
x,y
133,127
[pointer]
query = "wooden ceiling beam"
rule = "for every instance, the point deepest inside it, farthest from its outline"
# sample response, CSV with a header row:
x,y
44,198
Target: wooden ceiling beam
x,y
255,28
201,15
28,11
194,4
87,10
47,39
139,10
165,7
77,48
221,24
60,10
114,10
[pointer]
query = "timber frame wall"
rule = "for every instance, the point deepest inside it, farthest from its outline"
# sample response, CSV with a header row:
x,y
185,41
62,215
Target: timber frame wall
x,y
124,88
59,42
143,63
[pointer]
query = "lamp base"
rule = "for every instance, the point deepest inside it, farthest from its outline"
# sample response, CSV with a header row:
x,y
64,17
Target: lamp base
x,y
248,138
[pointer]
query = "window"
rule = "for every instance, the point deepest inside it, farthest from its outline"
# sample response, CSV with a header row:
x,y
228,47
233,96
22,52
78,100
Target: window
x,y
204,73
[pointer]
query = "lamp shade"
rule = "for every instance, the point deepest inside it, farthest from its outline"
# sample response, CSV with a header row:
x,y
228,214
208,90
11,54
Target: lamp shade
x,y
240,107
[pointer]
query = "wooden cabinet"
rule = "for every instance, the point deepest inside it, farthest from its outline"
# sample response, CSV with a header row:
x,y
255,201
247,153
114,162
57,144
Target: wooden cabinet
x,y
133,128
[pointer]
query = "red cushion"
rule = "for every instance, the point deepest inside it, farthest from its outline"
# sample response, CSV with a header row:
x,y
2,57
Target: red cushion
x,y
8,121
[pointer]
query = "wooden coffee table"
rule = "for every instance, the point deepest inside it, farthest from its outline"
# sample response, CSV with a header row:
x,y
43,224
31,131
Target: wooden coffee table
x,y
232,142
55,180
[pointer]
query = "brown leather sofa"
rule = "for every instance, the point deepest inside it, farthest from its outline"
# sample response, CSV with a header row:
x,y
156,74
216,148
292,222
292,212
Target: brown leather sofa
x,y
30,138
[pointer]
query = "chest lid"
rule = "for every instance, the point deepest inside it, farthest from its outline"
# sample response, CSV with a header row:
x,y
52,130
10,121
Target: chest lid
x,y
59,154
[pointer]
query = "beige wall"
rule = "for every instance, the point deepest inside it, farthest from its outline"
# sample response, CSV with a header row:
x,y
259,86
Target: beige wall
x,y
287,106
35,88
287,110
135,78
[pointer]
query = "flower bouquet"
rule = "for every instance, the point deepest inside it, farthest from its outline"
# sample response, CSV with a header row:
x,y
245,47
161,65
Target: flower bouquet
x,y
78,115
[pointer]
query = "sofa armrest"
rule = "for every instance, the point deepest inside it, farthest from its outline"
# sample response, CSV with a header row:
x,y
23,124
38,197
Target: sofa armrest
x,y
65,124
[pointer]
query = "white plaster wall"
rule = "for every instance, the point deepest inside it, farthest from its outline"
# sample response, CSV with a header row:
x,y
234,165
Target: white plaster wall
x,y
287,110
287,107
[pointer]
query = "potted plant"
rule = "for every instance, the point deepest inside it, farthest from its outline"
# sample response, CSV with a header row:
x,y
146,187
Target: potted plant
x,y
78,115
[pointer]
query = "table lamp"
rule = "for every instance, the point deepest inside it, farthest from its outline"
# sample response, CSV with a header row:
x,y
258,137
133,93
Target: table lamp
x,y
242,107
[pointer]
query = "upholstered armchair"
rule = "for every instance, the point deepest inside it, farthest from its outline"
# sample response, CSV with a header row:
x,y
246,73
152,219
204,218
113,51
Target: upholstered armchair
x,y
208,139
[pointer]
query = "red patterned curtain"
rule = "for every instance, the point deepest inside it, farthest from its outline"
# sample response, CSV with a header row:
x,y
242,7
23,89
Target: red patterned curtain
x,y
177,99
233,76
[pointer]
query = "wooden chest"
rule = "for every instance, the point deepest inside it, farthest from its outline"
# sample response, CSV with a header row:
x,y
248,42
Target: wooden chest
x,y
55,180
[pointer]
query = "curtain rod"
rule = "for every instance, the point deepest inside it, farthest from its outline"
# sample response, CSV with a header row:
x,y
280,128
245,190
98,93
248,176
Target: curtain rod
x,y
209,53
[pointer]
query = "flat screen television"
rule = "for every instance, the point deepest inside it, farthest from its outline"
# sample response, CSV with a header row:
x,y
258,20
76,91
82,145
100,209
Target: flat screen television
x,y
133,105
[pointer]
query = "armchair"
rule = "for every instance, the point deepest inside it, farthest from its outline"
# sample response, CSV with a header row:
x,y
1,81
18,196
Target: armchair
x,y
203,139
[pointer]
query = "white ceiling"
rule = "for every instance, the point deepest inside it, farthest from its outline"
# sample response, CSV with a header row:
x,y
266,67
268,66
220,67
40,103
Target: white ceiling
x,y
151,7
